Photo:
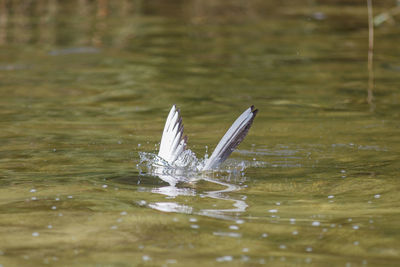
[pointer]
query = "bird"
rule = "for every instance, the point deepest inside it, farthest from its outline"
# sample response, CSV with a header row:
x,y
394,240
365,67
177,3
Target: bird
x,y
173,146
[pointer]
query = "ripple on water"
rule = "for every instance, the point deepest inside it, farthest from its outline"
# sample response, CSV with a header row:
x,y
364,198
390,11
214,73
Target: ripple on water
x,y
224,258
228,234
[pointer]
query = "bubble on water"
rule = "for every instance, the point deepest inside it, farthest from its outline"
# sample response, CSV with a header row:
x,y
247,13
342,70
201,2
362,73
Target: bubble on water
x,y
282,246
356,243
349,219
244,258
33,190
292,220
123,213
273,211
35,234
146,258
333,225
309,249
50,226
245,250
114,227
343,171
119,220
295,232
57,199
192,220
278,203
104,186
234,227
60,214
316,223
264,235
371,221
194,226
377,196
239,221
324,230
224,258
139,145
331,196
318,15
54,208
33,198
119,142
356,227
69,197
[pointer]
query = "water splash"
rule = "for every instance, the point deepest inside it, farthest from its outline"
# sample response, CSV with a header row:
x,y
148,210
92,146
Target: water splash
x,y
187,167
186,170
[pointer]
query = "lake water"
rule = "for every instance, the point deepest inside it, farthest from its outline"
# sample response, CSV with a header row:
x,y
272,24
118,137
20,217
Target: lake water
x,y
87,85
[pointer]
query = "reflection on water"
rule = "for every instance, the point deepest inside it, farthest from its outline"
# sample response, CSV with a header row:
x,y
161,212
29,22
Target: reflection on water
x,y
178,177
238,205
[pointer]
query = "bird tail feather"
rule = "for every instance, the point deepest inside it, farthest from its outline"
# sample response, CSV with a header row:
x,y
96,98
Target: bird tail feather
x,y
232,138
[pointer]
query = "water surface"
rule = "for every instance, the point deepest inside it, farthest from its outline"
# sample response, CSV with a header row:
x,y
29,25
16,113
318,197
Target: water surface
x,y
85,86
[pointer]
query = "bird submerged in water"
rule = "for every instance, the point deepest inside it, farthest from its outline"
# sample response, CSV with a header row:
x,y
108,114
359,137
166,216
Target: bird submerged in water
x,y
173,144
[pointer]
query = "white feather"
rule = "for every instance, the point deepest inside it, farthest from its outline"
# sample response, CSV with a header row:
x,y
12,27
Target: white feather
x,y
170,146
173,145
232,138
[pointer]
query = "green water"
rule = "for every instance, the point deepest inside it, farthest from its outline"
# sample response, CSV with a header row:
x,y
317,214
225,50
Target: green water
x,y
85,86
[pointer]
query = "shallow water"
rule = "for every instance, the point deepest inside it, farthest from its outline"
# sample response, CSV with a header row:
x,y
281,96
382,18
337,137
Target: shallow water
x,y
86,86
